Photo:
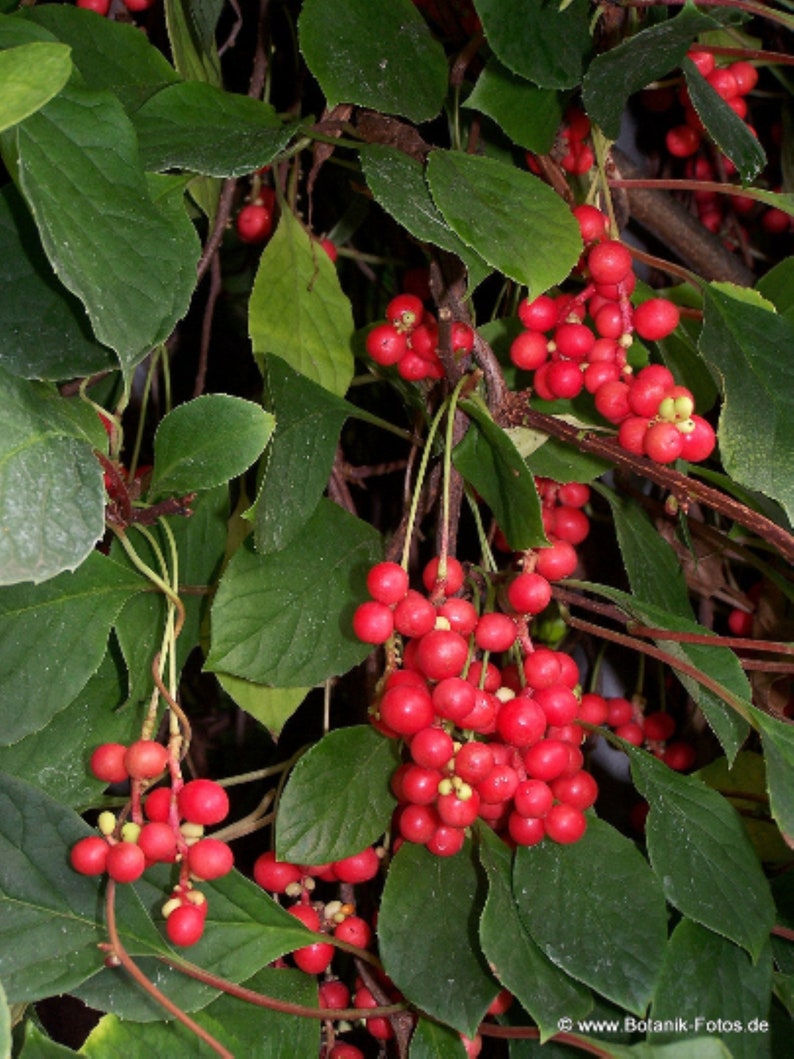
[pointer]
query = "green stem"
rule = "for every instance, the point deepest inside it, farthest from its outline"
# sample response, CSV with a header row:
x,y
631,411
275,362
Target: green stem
x,y
420,477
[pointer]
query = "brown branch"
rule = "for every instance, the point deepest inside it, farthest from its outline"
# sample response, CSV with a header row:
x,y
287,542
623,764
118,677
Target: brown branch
x,y
206,325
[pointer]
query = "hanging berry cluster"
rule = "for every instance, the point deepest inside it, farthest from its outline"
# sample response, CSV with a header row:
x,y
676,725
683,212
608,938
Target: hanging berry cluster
x,y
576,342
166,827
501,743
408,340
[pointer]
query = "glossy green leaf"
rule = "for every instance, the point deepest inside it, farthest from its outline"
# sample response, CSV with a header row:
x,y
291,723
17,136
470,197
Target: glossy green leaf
x,y
242,1027
491,464
199,127
706,980
5,1024
337,800
46,333
37,1045
31,74
778,741
127,258
726,128
529,115
380,56
191,33
55,758
109,54
67,619
397,182
52,501
619,72
744,784
546,43
747,348
297,308
270,619
300,456
545,991
702,856
272,707
431,1040
207,441
505,214
51,917
777,286
441,970
563,463
575,904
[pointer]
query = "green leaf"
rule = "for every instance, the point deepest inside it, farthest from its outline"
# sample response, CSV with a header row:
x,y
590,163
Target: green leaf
x,y
38,1046
67,619
702,856
398,184
576,905
544,42
110,55
726,128
563,463
619,72
5,1024
744,785
505,213
653,569
297,309
31,74
777,286
270,619
491,464
191,33
129,260
747,348
300,455
242,1027
379,56
51,917
52,501
206,442
706,981
337,800
272,707
431,1040
778,742
529,115
55,758
46,333
438,965
542,989
199,127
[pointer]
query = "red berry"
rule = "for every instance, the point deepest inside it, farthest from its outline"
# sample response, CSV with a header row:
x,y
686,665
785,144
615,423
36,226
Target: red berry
x,y
452,581
441,653
158,842
682,141
203,802
521,722
373,622
619,711
185,924
525,830
533,798
89,855
386,345
473,762
529,593
592,223
703,60
446,841
315,958
107,763
406,709
209,858
461,615
100,6
145,759
387,583
453,699
579,790
126,862
495,632
404,312
565,824
355,931
432,747
546,760
700,442
612,401
529,350
254,222
540,314
418,823
609,262
663,442
458,812
658,726
557,561
740,622
679,756
565,379
656,318
359,868
745,75
414,615
157,805
574,340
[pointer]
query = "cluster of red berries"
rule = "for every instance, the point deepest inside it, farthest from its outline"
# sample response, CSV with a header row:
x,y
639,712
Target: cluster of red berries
x,y
579,157
501,744
655,416
629,721
732,83
102,7
408,340
170,829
